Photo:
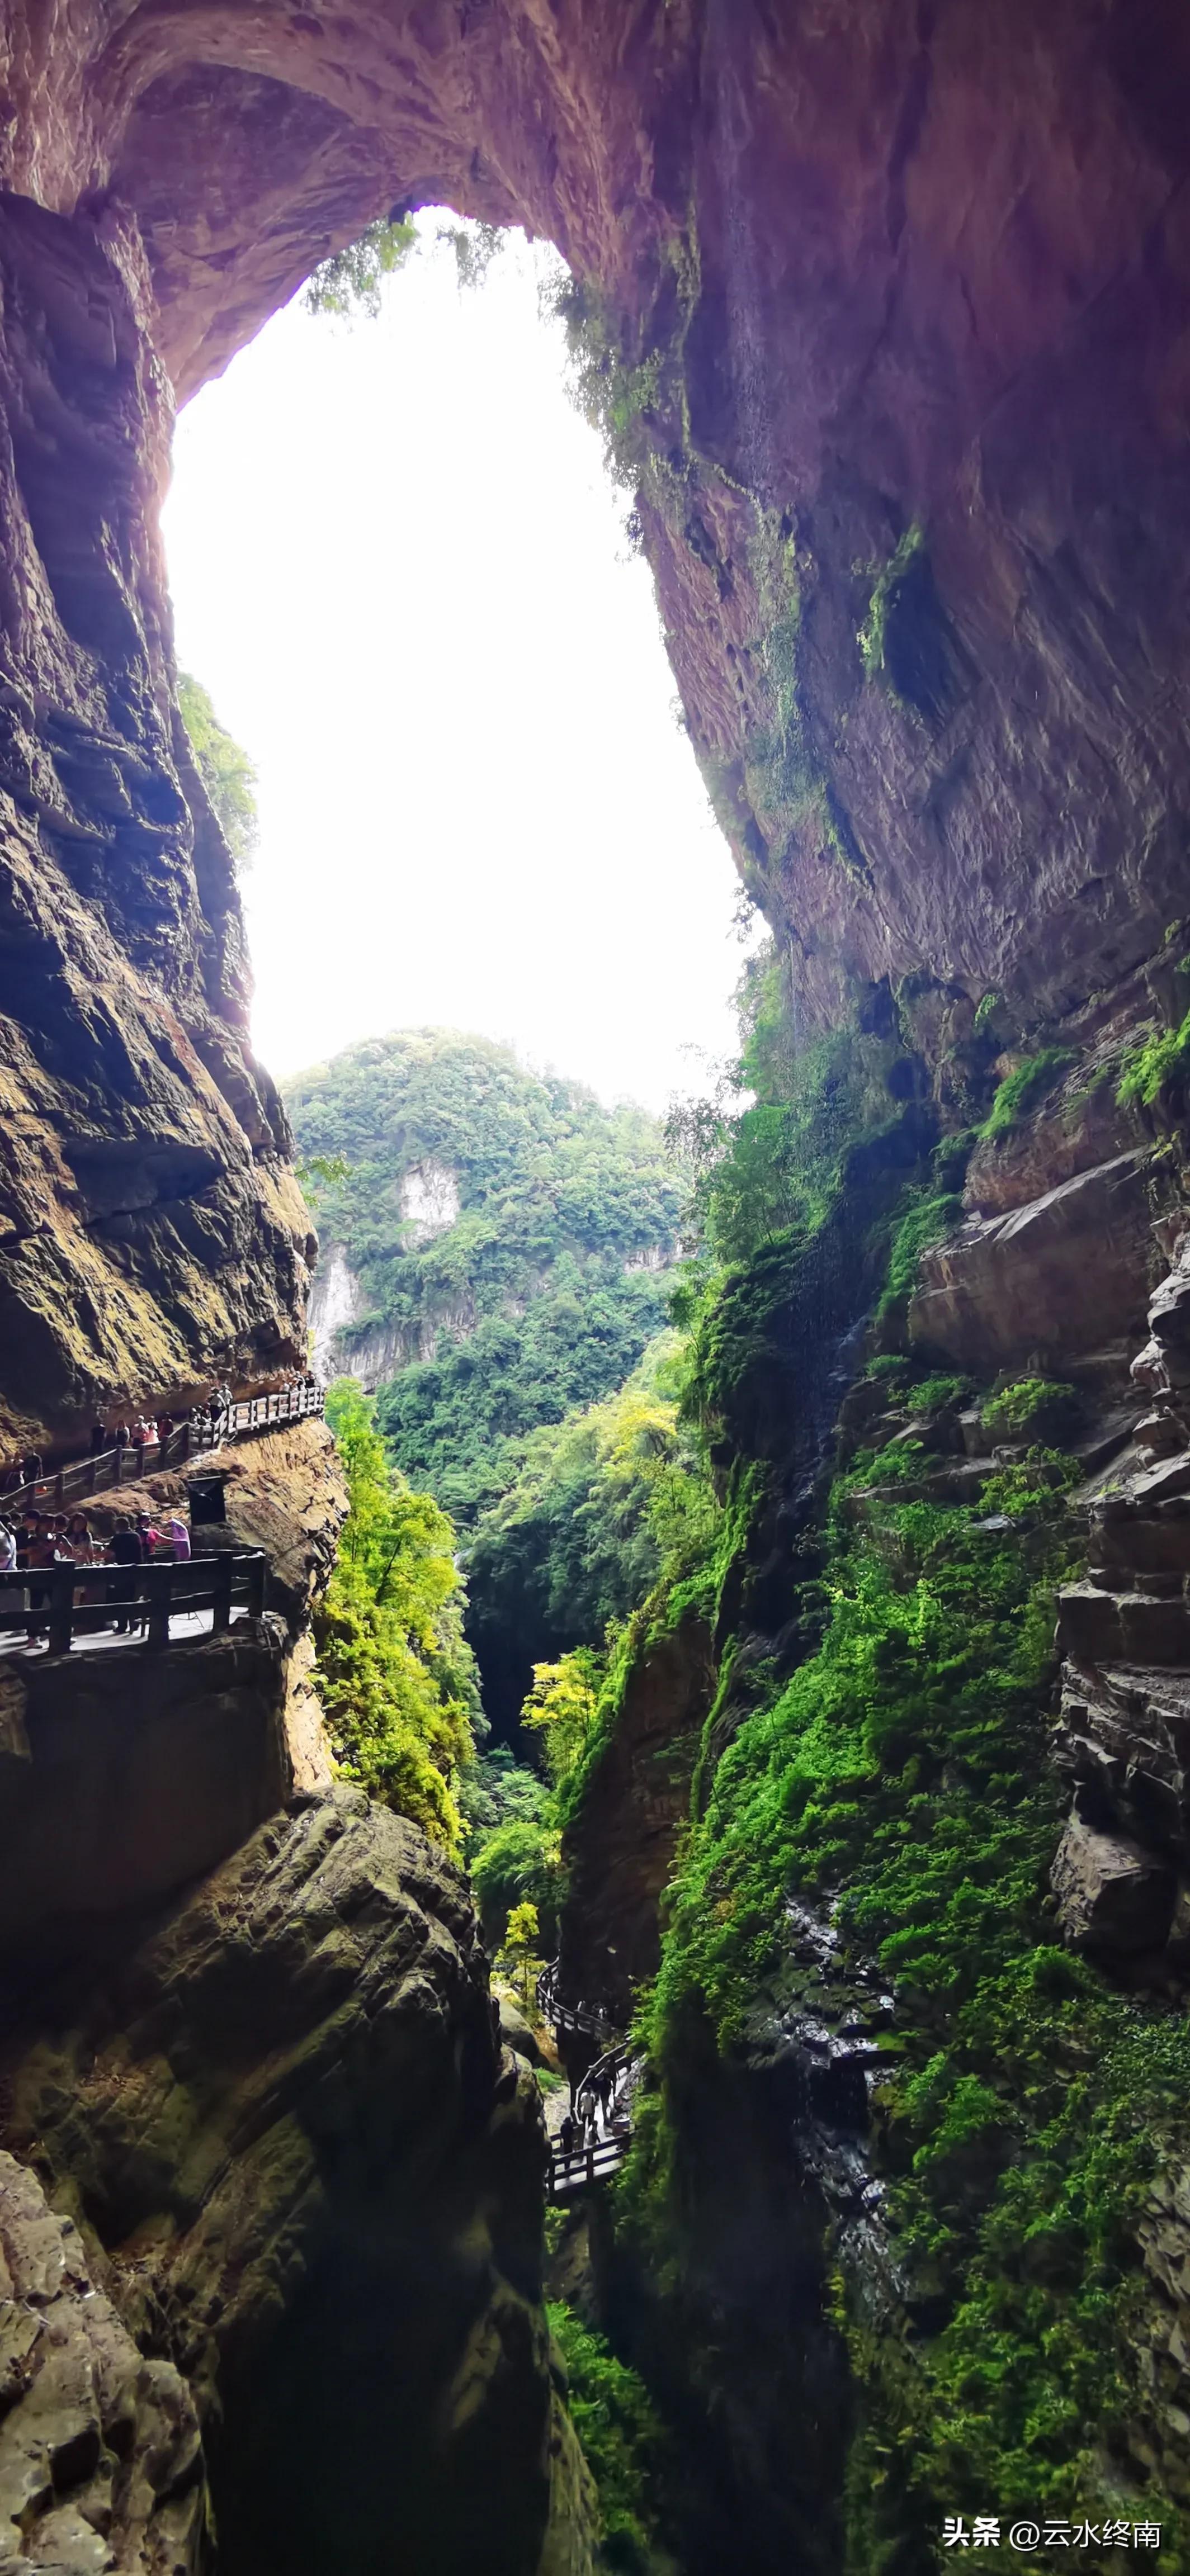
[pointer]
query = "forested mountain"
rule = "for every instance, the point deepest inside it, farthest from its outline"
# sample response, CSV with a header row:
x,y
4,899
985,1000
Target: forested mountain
x,y
505,1234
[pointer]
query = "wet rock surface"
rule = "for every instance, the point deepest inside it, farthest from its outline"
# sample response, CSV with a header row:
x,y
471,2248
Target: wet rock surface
x,y
311,2179
619,1851
101,2461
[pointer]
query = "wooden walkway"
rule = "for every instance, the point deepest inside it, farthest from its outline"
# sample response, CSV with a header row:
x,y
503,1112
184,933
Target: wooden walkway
x,y
55,1608
599,2158
96,1472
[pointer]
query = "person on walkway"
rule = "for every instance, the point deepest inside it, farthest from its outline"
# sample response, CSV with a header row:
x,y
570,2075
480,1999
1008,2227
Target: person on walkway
x,y
120,1438
149,1535
165,1430
99,1440
138,1437
12,1591
176,1537
126,1549
32,1469
566,2134
78,1541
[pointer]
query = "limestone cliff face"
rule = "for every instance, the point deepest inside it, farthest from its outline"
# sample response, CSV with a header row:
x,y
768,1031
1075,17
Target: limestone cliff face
x,y
310,2180
900,303
894,307
151,1230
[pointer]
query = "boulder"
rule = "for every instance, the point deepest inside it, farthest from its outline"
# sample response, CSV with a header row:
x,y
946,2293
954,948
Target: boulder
x,y
286,2117
101,2460
1065,1274
1114,1898
516,2033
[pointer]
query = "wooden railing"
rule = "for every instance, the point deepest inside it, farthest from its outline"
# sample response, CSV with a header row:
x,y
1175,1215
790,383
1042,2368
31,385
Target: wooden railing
x,y
585,2165
599,2158
94,1474
74,1601
586,2017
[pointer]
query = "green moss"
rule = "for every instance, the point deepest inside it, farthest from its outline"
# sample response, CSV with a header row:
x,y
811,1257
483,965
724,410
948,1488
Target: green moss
x,y
888,579
928,1217
1021,1091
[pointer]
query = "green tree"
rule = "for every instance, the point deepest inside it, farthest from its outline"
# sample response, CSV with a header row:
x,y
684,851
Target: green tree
x,y
225,770
397,1679
349,281
520,1950
561,1707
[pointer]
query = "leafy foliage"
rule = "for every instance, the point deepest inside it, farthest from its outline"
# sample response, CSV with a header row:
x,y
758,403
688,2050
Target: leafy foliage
x,y
539,1295
1045,1406
515,1863
605,1503
395,1676
225,770
349,281
621,2439
519,1956
773,1162
1155,1066
561,1707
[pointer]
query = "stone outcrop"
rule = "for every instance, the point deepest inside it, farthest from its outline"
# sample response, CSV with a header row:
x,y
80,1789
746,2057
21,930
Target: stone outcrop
x,y
309,2176
618,1850
1122,1873
1067,1273
101,2463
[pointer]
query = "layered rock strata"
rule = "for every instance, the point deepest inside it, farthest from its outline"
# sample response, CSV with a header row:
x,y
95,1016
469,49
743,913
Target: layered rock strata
x,y
1122,1876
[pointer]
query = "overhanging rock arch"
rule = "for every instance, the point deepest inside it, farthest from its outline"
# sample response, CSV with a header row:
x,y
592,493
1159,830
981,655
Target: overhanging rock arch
x,y
892,304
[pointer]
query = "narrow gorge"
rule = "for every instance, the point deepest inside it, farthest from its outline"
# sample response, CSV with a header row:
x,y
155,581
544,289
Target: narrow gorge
x,y
746,1569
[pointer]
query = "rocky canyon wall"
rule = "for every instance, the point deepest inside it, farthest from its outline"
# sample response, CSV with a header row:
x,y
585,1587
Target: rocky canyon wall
x,y
883,310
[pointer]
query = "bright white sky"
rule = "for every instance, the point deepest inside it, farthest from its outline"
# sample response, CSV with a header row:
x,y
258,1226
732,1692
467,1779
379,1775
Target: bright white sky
x,y
399,567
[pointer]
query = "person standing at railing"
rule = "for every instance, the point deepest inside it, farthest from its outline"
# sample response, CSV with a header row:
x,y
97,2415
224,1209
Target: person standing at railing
x,y
120,1439
12,1593
32,1469
99,1439
176,1539
126,1549
165,1431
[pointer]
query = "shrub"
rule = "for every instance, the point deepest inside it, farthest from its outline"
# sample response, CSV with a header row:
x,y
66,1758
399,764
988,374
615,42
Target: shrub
x,y
1152,1067
1021,1091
